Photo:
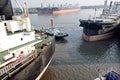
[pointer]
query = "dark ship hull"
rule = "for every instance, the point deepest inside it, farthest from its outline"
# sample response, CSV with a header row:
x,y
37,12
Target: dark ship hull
x,y
97,30
47,10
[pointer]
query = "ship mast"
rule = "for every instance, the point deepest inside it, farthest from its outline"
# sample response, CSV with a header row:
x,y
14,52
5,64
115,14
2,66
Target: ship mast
x,y
95,14
105,7
18,4
109,10
25,9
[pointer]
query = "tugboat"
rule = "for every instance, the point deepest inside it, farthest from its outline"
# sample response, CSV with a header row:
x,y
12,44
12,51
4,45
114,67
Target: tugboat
x,y
102,27
54,32
24,54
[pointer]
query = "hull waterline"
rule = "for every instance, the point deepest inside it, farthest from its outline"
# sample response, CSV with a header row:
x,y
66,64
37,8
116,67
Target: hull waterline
x,y
98,37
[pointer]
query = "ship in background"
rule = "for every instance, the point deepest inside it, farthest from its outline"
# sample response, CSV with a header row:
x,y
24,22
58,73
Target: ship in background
x,y
25,53
104,26
60,9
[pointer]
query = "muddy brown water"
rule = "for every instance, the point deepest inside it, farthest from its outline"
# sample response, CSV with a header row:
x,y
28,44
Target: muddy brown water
x,y
74,58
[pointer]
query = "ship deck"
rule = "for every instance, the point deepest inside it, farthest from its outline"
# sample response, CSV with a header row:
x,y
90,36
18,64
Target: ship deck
x,y
43,39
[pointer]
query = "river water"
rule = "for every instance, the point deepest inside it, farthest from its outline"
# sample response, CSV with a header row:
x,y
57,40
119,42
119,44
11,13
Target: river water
x,y
74,58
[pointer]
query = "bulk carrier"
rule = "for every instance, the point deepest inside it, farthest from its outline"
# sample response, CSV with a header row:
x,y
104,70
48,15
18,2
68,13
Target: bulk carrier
x,y
57,10
104,26
24,53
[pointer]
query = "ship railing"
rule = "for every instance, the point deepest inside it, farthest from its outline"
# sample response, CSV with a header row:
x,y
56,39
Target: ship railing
x,y
10,66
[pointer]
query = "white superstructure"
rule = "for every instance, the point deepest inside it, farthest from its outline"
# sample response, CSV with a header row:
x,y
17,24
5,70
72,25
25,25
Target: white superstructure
x,y
15,32
14,39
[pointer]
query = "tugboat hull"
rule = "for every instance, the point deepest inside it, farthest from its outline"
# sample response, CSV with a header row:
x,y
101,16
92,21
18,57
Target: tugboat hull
x,y
54,32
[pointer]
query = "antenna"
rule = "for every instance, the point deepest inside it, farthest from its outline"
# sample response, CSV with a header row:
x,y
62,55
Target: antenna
x,y
95,14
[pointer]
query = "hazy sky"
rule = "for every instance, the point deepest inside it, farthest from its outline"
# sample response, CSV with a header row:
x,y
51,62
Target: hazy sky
x,y
37,3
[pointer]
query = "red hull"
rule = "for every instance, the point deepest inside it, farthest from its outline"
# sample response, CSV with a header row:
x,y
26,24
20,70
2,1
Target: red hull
x,y
65,11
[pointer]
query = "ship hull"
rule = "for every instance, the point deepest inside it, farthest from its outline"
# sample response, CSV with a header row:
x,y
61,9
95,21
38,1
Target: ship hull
x,y
97,37
65,11
37,66
47,10
57,11
34,64
94,31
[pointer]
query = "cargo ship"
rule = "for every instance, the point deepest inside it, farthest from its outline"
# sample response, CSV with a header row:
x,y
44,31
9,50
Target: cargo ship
x,y
57,10
47,10
25,53
103,27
